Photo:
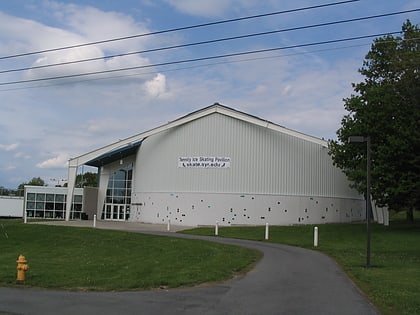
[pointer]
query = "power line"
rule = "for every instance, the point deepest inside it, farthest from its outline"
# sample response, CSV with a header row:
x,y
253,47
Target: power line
x,y
200,66
179,29
186,68
212,41
198,59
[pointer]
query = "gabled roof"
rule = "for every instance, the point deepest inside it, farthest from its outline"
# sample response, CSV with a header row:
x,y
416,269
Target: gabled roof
x,y
124,146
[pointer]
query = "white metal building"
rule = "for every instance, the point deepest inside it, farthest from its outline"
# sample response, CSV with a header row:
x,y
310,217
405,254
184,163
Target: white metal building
x,y
219,164
11,207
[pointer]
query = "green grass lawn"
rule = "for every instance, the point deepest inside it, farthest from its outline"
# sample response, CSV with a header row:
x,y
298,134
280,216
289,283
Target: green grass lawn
x,y
393,282
93,259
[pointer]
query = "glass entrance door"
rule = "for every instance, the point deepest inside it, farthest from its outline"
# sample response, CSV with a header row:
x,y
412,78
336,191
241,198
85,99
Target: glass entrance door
x,y
115,212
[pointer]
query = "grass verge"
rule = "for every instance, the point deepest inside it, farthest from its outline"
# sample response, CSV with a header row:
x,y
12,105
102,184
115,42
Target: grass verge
x,y
92,259
393,282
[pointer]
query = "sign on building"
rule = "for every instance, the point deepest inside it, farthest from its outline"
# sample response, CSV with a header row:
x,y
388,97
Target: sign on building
x,y
204,162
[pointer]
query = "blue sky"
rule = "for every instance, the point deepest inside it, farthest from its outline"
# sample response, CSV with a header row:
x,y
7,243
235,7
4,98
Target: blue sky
x,y
45,123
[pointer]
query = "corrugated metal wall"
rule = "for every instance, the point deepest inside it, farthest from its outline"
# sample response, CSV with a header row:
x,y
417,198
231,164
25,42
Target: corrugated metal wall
x,y
262,161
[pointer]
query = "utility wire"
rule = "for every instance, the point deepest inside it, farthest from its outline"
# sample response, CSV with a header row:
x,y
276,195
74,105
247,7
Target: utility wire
x,y
198,66
198,59
180,29
201,65
212,41
185,68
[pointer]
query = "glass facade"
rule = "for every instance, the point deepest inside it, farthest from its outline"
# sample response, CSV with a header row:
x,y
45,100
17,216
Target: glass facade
x,y
51,204
118,195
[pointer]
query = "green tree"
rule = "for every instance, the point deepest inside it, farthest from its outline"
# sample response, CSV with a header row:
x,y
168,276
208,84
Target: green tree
x,y
35,181
385,106
87,179
4,191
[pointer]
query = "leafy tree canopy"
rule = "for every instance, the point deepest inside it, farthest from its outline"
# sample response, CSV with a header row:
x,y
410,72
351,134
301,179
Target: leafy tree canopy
x,y
5,191
87,179
386,107
35,181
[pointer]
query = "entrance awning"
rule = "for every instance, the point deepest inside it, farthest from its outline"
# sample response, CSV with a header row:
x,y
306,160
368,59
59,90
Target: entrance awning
x,y
115,155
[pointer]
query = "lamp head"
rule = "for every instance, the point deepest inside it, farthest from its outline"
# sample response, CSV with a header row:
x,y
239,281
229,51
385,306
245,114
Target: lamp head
x,y
356,139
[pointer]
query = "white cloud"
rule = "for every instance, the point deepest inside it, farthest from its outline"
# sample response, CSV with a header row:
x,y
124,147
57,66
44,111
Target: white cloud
x,y
21,155
9,168
104,126
201,8
215,8
96,25
286,90
82,25
260,89
9,147
64,57
157,86
29,35
59,161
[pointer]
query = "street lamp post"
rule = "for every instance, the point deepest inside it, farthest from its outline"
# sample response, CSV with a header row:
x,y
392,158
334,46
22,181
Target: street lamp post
x,y
358,139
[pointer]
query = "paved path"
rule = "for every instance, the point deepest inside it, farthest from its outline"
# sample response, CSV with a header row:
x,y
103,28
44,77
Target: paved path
x,y
287,280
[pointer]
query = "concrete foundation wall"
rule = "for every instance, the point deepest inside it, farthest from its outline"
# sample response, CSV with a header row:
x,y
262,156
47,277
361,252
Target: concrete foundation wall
x,y
194,209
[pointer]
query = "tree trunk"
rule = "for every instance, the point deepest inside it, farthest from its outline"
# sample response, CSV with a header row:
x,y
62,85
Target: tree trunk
x,y
410,215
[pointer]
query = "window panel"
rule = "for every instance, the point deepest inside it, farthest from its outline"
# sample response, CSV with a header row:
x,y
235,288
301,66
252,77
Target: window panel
x,y
40,205
59,214
77,207
77,198
48,214
30,205
49,206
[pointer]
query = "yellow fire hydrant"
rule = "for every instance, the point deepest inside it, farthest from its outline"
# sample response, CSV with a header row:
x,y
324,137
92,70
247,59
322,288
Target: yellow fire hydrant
x,y
22,267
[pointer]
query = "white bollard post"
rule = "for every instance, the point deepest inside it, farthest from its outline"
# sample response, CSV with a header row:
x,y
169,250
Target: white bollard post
x,y
25,218
94,220
216,229
169,225
316,236
386,217
266,231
